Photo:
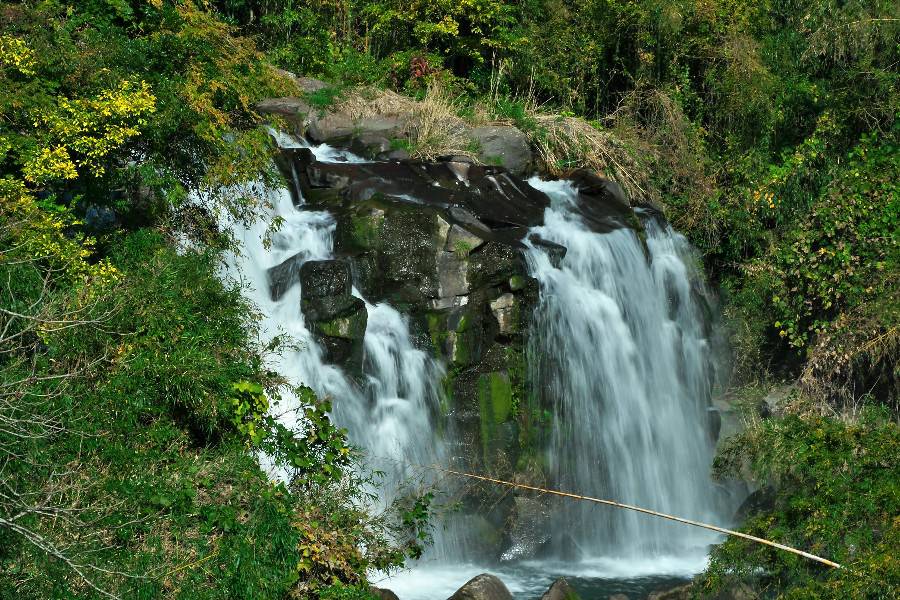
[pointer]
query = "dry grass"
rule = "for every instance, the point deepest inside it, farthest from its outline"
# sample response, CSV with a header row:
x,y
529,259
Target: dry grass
x,y
437,129
566,143
433,127
639,153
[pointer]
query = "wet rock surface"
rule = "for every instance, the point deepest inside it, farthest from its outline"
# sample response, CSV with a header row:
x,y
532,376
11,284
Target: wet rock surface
x,y
336,317
561,590
482,587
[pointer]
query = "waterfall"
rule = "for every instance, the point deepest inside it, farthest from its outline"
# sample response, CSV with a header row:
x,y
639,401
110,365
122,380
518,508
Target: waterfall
x,y
620,353
619,349
391,413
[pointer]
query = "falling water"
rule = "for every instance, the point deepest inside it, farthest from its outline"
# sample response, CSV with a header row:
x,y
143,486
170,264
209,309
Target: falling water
x,y
628,369
391,412
626,365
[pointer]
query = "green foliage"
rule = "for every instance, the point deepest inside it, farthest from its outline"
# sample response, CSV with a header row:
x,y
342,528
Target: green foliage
x,y
340,591
835,495
838,254
152,404
86,89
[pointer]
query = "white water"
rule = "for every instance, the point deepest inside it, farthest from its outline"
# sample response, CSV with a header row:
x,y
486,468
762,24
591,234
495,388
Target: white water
x,y
625,363
628,373
390,413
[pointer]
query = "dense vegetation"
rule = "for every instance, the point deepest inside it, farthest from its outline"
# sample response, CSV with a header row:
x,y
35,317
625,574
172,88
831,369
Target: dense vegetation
x,y
134,398
132,392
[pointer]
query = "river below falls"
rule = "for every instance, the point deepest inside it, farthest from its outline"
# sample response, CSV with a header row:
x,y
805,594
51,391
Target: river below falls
x,y
593,580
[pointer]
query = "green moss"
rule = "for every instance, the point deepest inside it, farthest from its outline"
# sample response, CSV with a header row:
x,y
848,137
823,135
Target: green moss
x,y
366,230
495,407
351,328
461,350
517,282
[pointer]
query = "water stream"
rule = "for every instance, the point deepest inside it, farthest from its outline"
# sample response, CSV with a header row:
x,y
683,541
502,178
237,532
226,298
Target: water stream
x,y
626,365
623,356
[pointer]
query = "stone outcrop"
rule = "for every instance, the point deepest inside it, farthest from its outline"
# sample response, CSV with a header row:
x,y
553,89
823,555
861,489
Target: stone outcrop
x,y
337,318
503,145
482,587
561,590
375,136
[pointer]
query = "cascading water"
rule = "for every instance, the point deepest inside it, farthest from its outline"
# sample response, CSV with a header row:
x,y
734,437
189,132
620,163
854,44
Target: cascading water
x,y
623,359
625,364
391,414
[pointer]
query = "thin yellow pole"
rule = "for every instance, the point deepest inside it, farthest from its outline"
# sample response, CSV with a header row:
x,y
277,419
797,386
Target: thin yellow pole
x,y
647,511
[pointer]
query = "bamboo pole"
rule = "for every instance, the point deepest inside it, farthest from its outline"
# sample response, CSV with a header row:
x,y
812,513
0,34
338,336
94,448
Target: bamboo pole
x,y
647,511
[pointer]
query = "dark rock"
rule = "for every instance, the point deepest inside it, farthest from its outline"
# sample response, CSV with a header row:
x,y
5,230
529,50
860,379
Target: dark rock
x,y
369,145
407,258
324,278
479,198
494,264
283,276
561,590
555,252
482,587
602,203
99,219
760,501
504,145
383,594
336,317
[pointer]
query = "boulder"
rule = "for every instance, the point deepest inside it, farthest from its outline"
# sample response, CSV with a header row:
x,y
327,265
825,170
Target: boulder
x,y
618,597
283,276
561,590
482,587
288,106
331,128
295,111
336,317
386,126
504,145
307,84
325,278
383,594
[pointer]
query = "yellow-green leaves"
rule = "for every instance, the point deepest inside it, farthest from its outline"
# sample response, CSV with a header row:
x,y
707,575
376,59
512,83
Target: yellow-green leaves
x,y
15,55
81,133
40,235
